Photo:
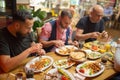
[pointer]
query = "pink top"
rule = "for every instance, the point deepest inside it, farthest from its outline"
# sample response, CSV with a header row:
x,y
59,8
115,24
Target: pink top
x,y
61,33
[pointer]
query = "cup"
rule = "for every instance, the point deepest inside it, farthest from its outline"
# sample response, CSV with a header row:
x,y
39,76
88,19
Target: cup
x,y
107,47
104,60
19,76
81,43
29,72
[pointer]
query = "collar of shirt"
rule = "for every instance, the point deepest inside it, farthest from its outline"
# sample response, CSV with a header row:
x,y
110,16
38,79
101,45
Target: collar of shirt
x,y
61,33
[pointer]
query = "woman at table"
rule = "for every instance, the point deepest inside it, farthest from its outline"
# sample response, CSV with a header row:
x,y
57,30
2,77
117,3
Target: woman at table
x,y
16,42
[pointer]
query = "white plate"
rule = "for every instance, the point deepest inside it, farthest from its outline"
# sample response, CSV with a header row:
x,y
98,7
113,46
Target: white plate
x,y
94,55
87,71
56,72
65,50
88,51
63,63
27,66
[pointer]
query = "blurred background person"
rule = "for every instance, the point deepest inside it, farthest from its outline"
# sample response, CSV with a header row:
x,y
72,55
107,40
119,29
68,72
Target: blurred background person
x,y
108,12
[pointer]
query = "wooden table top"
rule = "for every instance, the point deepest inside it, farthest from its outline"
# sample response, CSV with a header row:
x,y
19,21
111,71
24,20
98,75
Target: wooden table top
x,y
39,76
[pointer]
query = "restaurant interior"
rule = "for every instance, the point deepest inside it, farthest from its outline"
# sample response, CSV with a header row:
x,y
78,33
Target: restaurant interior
x,y
52,9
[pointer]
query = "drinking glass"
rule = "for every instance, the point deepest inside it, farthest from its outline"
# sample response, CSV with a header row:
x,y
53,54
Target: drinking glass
x,y
104,60
107,47
81,43
29,72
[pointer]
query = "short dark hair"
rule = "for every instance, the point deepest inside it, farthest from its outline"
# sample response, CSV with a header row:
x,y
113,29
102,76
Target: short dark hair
x,y
66,12
22,15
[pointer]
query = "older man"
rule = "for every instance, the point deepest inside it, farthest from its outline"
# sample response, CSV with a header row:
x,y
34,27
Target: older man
x,y
90,27
16,40
58,32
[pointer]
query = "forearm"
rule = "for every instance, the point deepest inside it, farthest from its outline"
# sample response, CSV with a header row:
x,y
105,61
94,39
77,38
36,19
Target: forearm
x,y
10,63
47,43
83,36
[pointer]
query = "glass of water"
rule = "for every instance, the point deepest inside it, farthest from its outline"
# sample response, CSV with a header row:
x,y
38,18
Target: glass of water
x,y
81,43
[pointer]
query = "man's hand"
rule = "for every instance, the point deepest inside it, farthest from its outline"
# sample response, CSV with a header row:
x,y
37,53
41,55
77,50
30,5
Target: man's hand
x,y
41,52
104,34
37,47
58,43
75,43
94,34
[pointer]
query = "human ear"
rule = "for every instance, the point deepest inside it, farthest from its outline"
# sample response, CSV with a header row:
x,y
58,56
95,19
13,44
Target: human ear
x,y
17,25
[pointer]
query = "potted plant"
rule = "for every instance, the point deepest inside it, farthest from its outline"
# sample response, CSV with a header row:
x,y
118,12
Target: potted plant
x,y
39,17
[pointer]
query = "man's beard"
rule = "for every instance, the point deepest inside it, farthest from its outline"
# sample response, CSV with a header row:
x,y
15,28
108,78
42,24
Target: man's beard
x,y
20,36
62,25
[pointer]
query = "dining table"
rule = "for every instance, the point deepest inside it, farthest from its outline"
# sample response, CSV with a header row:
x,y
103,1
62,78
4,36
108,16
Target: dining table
x,y
107,73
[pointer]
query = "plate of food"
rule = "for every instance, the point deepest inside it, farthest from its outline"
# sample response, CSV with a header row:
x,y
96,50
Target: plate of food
x,y
66,50
94,55
63,63
90,68
78,56
39,64
58,74
88,45
92,45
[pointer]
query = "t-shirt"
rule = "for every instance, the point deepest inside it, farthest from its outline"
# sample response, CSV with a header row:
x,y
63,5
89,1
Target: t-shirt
x,y
11,45
88,27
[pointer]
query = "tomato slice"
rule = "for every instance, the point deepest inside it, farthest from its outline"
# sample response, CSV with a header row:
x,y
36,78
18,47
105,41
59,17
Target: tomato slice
x,y
82,70
64,78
